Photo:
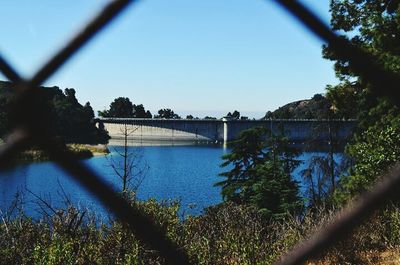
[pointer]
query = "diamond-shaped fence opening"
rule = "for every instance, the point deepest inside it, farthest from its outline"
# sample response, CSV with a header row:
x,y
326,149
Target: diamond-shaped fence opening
x,y
29,130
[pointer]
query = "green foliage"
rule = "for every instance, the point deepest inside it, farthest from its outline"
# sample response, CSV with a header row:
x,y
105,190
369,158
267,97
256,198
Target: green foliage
x,y
228,234
275,194
74,122
119,108
368,25
372,25
123,108
223,234
247,152
345,99
233,116
167,114
66,117
260,173
375,151
140,112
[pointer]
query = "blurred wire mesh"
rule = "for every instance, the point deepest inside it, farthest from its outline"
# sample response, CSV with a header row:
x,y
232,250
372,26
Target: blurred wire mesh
x,y
29,123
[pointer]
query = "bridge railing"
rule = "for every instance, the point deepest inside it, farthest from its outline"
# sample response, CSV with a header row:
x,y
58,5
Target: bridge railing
x,y
29,130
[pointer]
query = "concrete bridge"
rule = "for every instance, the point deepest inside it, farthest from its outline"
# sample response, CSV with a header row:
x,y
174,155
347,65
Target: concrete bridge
x,y
223,131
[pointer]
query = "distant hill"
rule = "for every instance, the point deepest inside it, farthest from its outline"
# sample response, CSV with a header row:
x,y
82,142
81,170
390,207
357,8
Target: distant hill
x,y
315,108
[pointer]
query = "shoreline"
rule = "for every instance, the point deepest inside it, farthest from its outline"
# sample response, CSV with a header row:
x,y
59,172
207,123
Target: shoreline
x,y
82,151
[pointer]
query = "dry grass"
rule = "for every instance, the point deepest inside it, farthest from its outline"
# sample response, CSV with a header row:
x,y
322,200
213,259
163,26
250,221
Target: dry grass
x,y
80,150
96,150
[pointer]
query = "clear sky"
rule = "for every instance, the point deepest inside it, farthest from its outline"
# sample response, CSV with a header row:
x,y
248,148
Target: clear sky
x,y
205,57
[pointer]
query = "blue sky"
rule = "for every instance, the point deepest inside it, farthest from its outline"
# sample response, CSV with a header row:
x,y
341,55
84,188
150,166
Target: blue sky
x,y
205,57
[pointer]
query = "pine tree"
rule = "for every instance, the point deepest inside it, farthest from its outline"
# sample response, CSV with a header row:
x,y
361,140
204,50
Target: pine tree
x,y
261,173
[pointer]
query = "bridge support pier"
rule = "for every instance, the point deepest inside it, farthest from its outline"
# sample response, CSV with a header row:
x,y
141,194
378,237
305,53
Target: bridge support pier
x,y
226,130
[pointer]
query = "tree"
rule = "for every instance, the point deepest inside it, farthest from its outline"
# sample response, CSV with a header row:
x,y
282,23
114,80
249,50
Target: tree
x,y
324,135
167,114
149,115
189,117
345,99
65,117
123,108
73,122
371,25
269,115
88,110
234,116
261,166
140,112
320,178
375,151
119,108
127,165
70,95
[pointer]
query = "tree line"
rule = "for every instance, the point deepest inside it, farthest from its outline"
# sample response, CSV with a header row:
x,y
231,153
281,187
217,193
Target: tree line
x,y
65,117
318,107
122,107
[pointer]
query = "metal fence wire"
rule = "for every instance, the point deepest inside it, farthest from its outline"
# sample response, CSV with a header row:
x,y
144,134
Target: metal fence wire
x,y
30,130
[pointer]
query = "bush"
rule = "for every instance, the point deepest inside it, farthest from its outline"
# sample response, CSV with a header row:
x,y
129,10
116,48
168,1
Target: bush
x,y
223,234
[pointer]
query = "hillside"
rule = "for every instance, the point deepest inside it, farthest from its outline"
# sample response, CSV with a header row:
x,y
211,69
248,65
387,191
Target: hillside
x,y
315,108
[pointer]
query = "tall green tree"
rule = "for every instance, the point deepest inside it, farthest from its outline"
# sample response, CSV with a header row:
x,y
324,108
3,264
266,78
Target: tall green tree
x,y
140,112
74,122
374,26
261,166
120,108
371,25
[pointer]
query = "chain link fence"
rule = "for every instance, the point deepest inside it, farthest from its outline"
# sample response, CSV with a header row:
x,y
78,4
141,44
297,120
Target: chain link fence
x,y
31,130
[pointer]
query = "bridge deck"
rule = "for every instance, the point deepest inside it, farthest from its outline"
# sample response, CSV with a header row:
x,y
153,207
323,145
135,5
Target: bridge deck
x,y
224,130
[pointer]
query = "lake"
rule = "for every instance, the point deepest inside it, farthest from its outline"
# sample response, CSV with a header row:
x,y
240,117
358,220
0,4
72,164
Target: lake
x,y
184,173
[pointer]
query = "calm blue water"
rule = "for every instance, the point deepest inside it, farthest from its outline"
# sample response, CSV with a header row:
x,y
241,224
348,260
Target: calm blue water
x,y
185,173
